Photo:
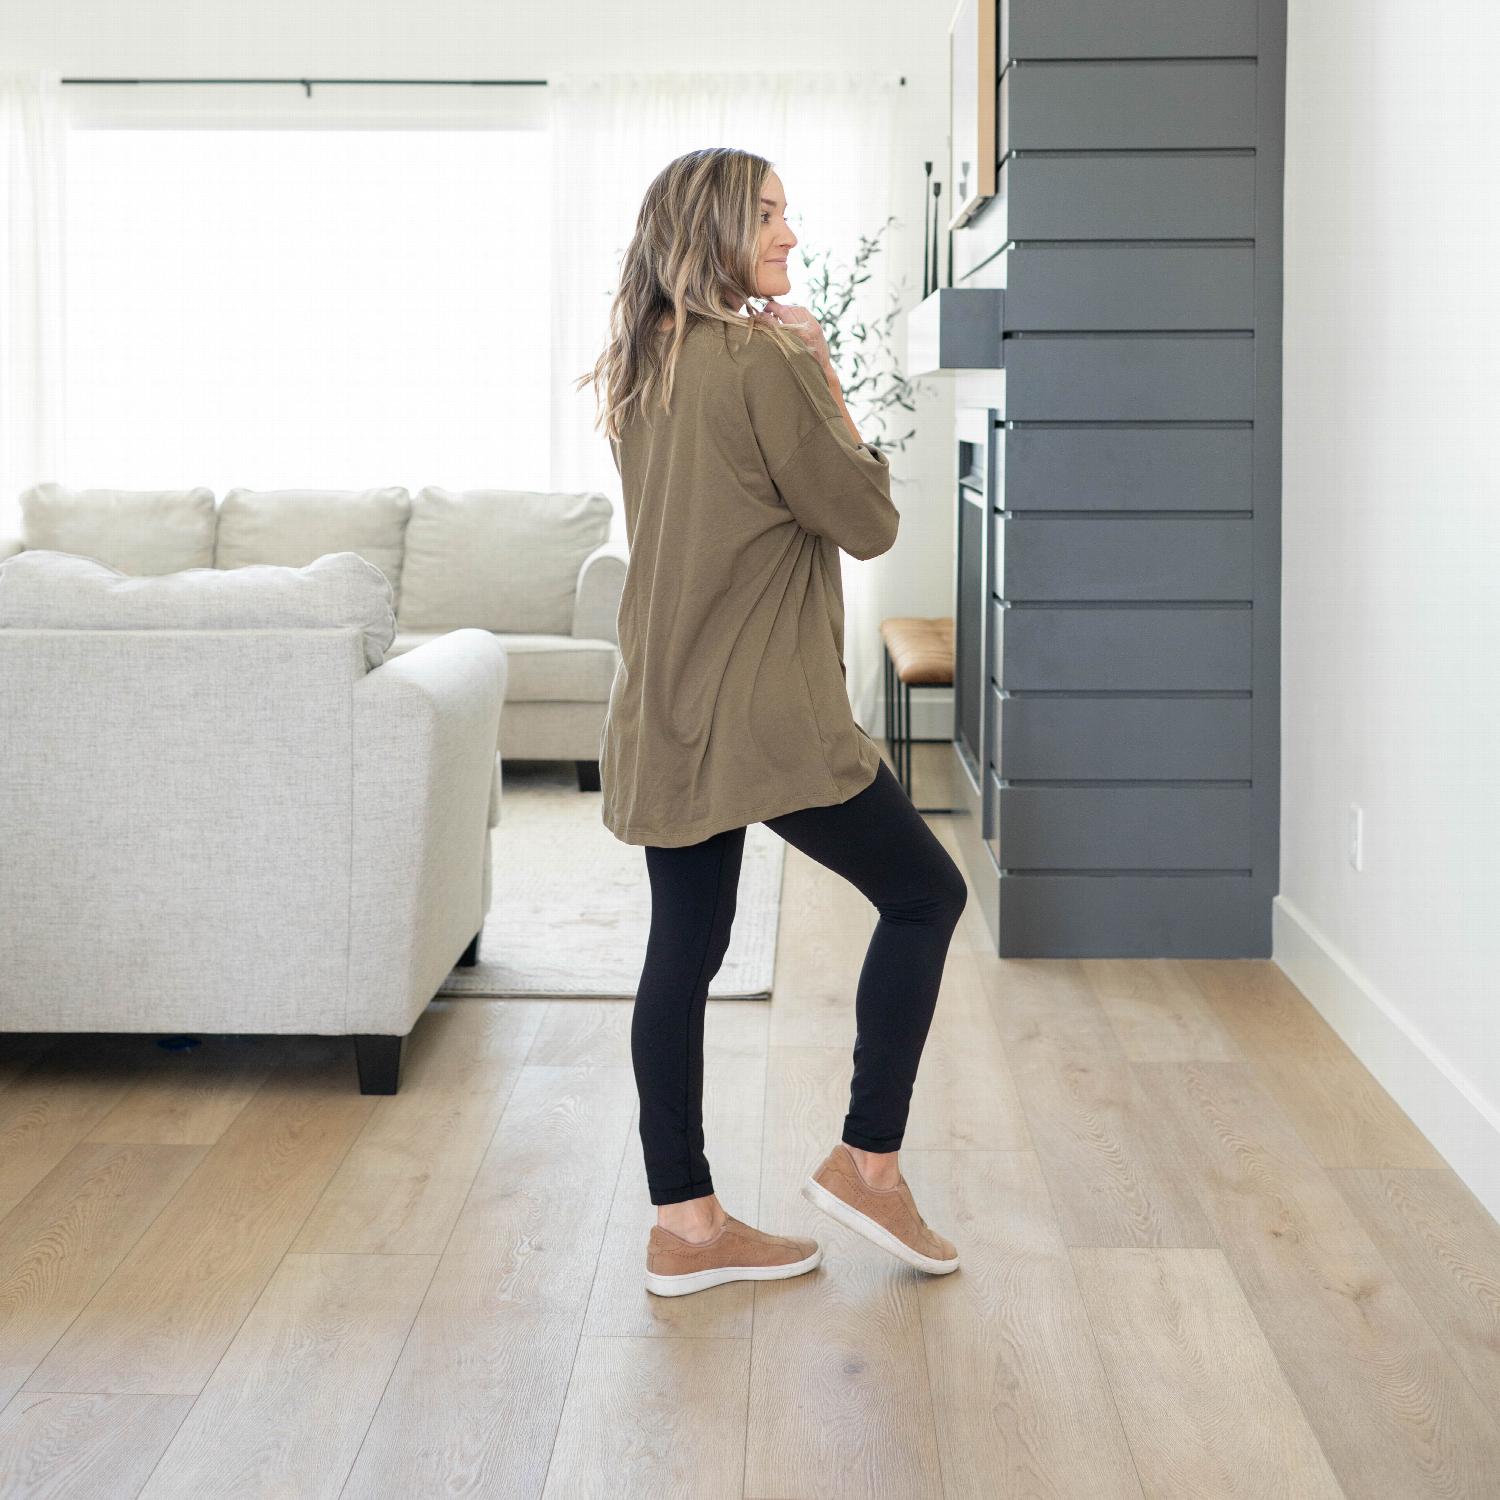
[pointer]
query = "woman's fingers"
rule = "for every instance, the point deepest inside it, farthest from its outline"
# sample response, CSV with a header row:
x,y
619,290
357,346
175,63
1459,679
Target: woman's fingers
x,y
801,322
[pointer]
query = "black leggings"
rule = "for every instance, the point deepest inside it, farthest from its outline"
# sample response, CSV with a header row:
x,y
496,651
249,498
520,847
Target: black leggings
x,y
877,841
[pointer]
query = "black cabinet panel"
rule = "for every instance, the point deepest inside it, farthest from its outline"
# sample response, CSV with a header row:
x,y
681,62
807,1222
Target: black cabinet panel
x,y
1104,287
1147,650
1125,916
1126,468
1124,378
1126,28
1122,738
1115,196
1129,557
1125,827
1121,106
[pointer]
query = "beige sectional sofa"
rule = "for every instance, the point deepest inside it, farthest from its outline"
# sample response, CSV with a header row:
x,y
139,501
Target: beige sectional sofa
x,y
535,568
224,807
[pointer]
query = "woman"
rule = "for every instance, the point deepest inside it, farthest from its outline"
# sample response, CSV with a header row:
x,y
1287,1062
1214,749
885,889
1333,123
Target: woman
x,y
743,475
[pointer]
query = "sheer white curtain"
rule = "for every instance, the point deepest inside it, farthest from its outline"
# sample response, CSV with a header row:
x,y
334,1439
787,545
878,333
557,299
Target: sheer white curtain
x,y
33,147
828,136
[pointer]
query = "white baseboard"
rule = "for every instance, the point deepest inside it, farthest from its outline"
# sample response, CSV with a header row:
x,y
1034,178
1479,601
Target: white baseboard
x,y
1442,1101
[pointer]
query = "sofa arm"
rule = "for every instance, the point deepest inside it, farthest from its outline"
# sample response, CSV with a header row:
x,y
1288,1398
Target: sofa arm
x,y
10,545
596,605
426,724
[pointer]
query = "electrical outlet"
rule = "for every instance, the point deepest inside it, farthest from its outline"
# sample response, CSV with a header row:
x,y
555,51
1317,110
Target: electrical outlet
x,y
1356,836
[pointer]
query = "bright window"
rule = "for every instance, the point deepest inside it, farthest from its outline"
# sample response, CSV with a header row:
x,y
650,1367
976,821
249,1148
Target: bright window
x,y
329,308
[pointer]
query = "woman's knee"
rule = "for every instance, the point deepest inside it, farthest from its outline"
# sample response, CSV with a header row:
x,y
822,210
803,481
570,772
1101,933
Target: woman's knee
x,y
955,888
938,897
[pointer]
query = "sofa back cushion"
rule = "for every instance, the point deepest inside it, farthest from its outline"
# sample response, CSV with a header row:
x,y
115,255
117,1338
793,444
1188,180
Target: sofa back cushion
x,y
136,531
499,559
46,590
291,528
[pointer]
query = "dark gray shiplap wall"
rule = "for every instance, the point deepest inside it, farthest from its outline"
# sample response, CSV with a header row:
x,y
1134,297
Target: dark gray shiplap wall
x,y
1136,533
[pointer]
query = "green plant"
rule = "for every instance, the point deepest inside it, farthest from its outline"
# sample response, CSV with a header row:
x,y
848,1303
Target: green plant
x,y
861,347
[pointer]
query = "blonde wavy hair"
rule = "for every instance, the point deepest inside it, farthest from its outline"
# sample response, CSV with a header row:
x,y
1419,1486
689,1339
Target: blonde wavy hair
x,y
693,254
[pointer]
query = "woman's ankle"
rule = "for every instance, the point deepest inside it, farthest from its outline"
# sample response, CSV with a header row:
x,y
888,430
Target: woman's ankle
x,y
878,1168
692,1218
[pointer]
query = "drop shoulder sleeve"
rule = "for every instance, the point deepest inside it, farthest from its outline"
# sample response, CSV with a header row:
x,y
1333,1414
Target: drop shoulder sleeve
x,y
832,485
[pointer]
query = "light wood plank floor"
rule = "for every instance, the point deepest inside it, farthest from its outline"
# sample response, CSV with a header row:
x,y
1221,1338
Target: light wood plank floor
x,y
1204,1254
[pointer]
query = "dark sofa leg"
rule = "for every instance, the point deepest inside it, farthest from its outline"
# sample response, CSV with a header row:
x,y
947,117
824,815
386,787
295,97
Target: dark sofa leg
x,y
588,775
379,1062
470,955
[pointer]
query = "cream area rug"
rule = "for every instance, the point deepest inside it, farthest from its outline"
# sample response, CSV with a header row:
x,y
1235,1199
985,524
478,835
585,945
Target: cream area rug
x,y
570,907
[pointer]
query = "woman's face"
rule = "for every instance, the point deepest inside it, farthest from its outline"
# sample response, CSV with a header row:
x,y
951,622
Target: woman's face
x,y
776,241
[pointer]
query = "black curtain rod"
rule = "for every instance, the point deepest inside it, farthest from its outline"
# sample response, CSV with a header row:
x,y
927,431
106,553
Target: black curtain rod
x,y
307,83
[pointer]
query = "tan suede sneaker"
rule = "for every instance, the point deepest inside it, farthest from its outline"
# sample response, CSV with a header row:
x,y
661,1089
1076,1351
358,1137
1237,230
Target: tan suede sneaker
x,y
887,1216
736,1253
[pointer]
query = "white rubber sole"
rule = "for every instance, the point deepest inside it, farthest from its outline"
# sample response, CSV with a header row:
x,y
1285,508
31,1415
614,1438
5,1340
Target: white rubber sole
x,y
851,1218
697,1281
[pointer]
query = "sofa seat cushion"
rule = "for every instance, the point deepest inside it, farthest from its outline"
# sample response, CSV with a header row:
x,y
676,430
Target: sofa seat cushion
x,y
504,560
137,531
44,590
542,668
291,528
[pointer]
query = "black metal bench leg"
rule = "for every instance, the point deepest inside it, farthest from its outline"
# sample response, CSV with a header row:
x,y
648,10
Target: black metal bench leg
x,y
890,738
900,756
906,737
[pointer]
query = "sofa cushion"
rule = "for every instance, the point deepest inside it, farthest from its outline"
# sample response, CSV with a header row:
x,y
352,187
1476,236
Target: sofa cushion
x,y
499,559
542,668
136,531
46,590
291,528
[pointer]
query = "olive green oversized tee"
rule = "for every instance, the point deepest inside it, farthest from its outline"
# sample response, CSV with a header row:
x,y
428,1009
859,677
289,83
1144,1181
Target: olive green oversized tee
x,y
729,703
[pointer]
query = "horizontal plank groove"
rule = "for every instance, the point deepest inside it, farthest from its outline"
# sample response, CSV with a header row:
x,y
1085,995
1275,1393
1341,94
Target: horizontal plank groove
x,y
1112,151
1121,514
1238,242
1122,603
1233,61
1129,333
1237,782
1006,692
1070,872
1106,424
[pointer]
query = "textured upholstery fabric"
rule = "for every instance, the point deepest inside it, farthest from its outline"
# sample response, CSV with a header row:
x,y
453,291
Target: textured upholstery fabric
x,y
499,559
294,527
496,787
136,531
600,581
57,590
550,731
425,728
176,825
557,707
239,830
543,668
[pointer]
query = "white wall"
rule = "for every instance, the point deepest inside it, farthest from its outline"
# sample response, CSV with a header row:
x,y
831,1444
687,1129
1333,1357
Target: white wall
x,y
467,39
1391,610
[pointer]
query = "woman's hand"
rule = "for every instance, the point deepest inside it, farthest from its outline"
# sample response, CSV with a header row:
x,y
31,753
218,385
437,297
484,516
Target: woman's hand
x,y
802,323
